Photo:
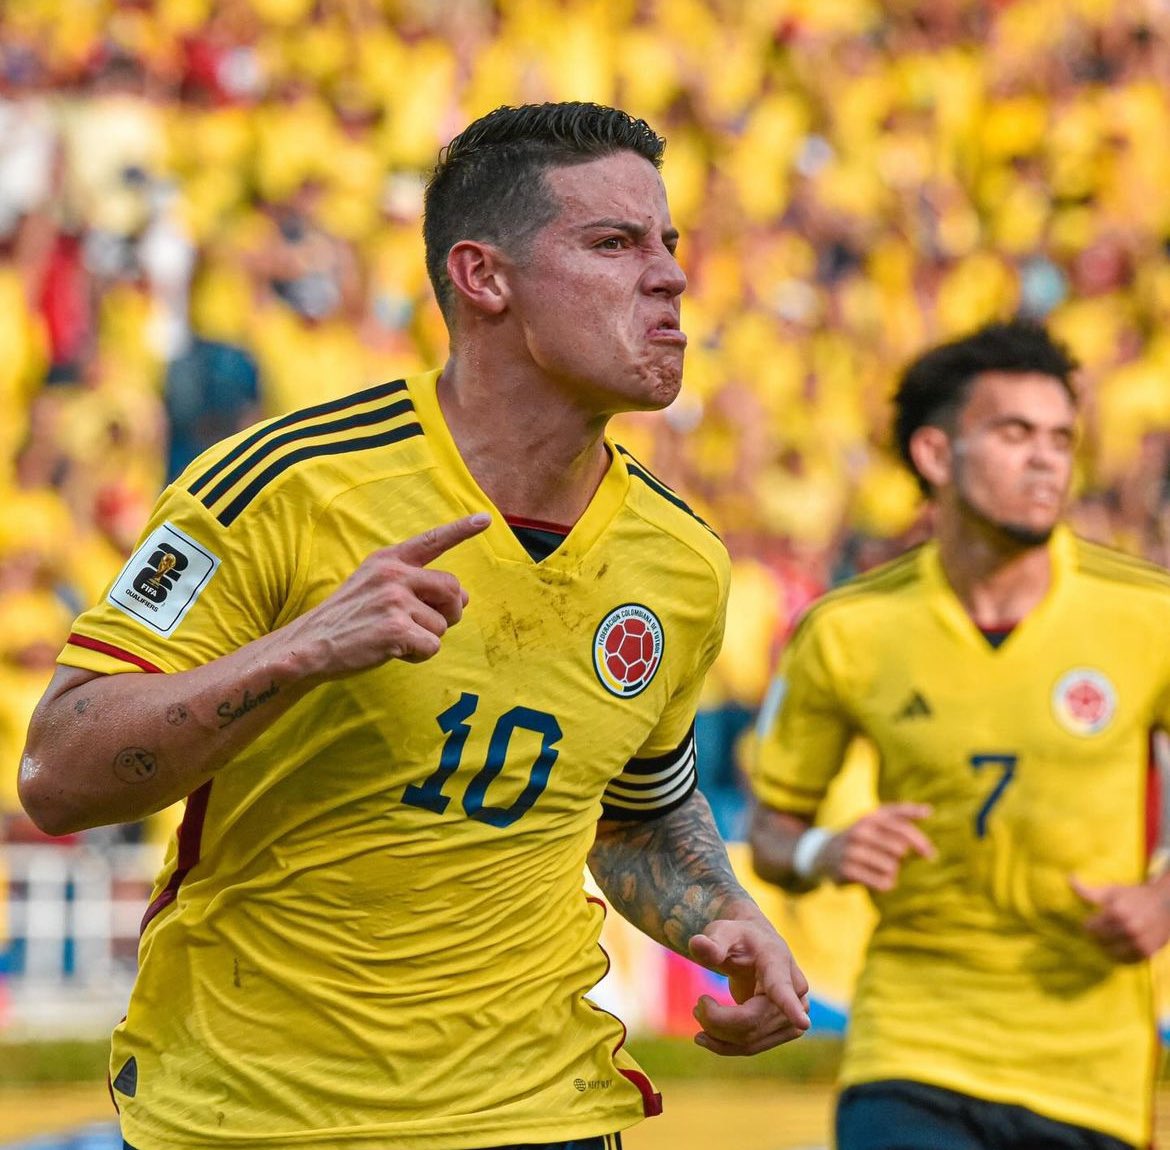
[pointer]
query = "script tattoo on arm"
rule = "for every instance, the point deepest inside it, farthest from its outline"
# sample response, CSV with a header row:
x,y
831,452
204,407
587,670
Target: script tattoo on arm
x,y
669,876
229,713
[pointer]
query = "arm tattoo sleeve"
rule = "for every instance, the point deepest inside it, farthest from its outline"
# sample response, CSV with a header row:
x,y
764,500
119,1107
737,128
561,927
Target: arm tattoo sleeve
x,y
669,876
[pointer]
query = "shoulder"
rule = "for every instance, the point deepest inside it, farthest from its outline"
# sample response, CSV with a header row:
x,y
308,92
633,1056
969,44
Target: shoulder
x,y
1097,563
864,595
665,510
319,450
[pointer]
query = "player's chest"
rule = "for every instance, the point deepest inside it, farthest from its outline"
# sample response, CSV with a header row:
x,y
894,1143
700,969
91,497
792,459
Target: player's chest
x,y
577,659
1076,702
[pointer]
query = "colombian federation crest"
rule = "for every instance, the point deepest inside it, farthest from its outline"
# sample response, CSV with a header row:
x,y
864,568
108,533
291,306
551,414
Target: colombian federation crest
x,y
627,649
1084,701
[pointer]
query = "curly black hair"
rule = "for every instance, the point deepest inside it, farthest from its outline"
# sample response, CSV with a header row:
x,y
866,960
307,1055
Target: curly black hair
x,y
934,387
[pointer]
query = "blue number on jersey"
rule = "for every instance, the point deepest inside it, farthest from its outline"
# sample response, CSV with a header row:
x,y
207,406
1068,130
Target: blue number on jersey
x,y
1007,763
429,795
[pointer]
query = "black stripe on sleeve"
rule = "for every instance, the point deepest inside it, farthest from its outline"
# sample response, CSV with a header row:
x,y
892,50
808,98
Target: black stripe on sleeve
x,y
361,419
346,401
656,485
232,511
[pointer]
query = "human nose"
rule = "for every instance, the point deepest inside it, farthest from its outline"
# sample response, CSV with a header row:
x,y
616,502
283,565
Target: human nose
x,y
665,275
1049,454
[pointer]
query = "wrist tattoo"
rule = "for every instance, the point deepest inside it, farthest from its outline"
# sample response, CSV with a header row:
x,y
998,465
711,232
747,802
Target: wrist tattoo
x,y
670,876
81,706
228,713
135,765
176,714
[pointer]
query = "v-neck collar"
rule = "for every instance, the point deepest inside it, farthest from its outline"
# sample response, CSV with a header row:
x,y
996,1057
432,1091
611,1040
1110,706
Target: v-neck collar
x,y
499,537
1062,556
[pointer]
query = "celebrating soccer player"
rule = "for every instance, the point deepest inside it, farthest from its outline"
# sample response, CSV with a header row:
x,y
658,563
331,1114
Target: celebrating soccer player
x,y
424,651
1009,675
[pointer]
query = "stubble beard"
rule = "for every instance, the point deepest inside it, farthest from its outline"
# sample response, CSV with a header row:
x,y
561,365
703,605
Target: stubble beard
x,y
1023,536
1012,536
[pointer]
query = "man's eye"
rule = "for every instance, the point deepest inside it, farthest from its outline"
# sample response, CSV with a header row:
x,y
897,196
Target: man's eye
x,y
612,243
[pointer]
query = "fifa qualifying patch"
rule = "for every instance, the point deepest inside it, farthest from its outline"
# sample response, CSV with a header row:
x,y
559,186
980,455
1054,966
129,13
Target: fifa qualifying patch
x,y
1084,701
627,649
163,578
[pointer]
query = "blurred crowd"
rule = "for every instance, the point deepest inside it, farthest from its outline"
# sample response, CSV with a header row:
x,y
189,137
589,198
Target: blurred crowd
x,y
210,213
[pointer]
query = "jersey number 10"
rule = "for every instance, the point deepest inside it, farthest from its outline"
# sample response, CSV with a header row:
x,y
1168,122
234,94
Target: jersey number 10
x,y
429,794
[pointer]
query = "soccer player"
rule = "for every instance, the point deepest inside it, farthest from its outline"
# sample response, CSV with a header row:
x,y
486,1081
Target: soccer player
x,y
424,651
1009,675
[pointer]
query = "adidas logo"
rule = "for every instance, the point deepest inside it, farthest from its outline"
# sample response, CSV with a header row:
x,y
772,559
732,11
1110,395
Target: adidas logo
x,y
916,707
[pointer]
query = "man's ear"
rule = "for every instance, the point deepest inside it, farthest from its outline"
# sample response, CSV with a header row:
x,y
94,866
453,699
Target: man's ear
x,y
933,456
478,273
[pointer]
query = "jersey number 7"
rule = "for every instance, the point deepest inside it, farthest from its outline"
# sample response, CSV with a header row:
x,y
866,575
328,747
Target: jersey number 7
x,y
1007,766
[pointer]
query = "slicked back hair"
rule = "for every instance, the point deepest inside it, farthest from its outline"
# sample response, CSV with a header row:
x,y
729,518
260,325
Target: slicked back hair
x,y
935,387
489,185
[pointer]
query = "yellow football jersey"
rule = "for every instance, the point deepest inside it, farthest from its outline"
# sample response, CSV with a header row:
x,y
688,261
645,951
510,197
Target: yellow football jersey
x,y
1034,756
371,929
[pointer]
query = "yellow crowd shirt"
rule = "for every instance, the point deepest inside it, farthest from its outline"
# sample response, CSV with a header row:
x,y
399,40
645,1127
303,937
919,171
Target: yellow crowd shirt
x,y
371,928
1034,756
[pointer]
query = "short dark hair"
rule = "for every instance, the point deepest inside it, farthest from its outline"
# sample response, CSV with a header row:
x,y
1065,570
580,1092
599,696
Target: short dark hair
x,y
934,387
489,182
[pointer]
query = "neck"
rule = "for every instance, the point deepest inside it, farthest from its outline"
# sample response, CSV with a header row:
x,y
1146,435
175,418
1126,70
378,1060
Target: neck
x,y
534,456
997,579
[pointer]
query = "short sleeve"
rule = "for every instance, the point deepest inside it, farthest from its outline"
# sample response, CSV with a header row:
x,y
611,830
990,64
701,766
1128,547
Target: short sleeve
x,y
650,787
192,591
663,774
803,728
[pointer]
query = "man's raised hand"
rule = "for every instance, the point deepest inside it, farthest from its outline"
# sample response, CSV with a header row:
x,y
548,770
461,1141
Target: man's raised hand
x,y
392,607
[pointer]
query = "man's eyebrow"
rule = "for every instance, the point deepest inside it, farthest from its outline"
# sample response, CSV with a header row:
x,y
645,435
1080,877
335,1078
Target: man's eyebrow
x,y
1031,424
631,227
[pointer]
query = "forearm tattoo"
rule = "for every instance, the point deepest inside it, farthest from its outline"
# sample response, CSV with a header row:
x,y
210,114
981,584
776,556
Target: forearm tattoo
x,y
669,876
229,712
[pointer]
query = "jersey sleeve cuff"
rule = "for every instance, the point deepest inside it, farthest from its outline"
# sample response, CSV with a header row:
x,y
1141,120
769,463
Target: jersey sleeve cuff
x,y
798,801
91,654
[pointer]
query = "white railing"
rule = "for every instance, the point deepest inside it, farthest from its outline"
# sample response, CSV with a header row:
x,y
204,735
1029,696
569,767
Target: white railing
x,y
70,918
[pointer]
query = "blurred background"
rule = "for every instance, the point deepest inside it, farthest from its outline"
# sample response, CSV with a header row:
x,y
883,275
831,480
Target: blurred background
x,y
210,213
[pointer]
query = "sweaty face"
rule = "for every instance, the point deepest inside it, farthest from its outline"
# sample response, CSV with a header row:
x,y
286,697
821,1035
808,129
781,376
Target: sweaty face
x,y
1012,454
597,293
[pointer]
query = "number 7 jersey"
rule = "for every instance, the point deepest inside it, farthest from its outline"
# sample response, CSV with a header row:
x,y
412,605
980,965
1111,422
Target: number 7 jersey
x,y
1034,756
371,929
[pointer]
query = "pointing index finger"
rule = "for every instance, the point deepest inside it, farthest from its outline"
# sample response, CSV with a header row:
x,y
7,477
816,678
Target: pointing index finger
x,y
422,549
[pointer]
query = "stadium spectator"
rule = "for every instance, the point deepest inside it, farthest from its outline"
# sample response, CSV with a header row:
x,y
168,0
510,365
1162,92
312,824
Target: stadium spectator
x,y
212,387
1010,676
374,928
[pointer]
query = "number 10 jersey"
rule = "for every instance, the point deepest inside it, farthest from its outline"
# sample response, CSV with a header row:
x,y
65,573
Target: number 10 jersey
x,y
371,929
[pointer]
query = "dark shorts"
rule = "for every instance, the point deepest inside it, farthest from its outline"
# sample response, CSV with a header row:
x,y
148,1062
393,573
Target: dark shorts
x,y
903,1115
602,1142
